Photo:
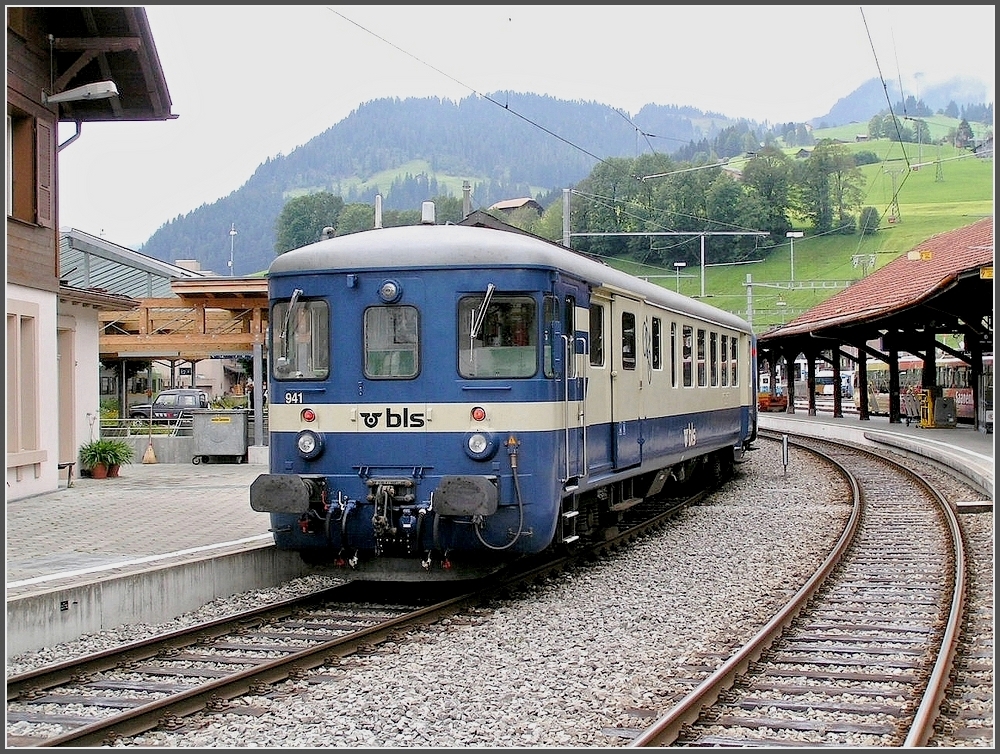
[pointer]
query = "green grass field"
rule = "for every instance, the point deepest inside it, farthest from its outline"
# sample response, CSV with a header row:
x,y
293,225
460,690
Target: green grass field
x,y
952,190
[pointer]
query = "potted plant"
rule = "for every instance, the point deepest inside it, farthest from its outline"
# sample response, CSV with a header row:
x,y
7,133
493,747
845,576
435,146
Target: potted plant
x,y
121,453
104,456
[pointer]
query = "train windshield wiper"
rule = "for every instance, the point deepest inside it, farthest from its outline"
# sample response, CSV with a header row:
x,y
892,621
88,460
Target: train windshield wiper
x,y
477,320
285,335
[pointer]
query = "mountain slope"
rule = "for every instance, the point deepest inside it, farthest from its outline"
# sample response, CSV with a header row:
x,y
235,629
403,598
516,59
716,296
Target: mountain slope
x,y
505,144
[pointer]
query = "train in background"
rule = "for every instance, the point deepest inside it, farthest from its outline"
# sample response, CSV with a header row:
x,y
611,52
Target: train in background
x,y
445,399
952,377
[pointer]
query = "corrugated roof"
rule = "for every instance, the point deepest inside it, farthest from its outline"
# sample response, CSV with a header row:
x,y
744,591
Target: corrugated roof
x,y
909,280
90,263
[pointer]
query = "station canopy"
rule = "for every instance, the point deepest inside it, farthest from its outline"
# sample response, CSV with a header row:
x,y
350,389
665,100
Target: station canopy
x,y
942,286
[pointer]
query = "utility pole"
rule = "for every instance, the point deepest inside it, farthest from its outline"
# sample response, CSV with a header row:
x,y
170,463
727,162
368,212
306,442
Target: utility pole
x,y
894,205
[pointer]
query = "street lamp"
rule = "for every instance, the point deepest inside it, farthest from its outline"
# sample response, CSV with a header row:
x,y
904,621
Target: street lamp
x,y
791,236
232,244
677,269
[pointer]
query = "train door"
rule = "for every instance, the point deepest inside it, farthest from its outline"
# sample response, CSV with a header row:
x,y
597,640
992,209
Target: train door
x,y
573,348
628,369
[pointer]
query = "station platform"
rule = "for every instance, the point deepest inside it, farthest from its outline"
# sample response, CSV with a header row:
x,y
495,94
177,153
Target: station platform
x,y
961,447
151,511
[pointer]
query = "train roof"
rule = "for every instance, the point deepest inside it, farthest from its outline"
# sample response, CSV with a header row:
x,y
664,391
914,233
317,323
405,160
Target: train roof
x,y
426,247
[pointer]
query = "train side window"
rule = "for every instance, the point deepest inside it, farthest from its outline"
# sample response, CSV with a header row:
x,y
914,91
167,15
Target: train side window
x,y
734,361
702,372
688,355
302,340
550,314
596,335
656,344
569,328
724,353
568,322
392,342
501,341
673,354
628,340
713,358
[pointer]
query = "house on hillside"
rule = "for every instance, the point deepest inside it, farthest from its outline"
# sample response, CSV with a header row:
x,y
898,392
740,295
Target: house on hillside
x,y
984,150
76,66
510,205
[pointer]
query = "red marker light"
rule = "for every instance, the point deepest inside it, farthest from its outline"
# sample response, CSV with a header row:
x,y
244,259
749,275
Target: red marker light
x,y
479,414
308,415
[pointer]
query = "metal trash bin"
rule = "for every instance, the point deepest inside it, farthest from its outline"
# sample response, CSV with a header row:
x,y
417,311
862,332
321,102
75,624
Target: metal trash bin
x,y
945,413
219,433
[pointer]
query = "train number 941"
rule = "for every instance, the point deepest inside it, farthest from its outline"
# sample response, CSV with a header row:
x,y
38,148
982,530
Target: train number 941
x,y
293,396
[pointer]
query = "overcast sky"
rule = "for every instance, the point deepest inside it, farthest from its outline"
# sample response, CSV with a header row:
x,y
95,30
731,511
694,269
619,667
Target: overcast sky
x,y
251,82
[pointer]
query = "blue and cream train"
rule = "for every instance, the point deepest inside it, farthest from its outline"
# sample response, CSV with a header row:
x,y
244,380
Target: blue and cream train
x,y
446,399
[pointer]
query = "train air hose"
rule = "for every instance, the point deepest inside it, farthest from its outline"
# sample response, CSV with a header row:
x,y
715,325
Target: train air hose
x,y
512,445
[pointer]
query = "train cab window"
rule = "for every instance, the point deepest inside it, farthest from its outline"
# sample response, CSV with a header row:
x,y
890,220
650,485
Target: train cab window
x,y
497,336
391,342
702,372
596,335
301,339
687,355
657,351
628,340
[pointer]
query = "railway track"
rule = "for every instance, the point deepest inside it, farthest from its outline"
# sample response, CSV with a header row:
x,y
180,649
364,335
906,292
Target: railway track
x,y
863,654
94,700
99,699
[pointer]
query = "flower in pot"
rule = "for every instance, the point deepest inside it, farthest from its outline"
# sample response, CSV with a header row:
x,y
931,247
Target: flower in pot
x,y
103,455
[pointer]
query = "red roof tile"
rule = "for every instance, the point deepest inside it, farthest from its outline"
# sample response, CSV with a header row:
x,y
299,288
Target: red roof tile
x,y
906,281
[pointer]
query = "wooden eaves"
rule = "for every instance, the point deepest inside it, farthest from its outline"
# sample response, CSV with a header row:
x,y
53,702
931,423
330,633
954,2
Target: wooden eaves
x,y
211,316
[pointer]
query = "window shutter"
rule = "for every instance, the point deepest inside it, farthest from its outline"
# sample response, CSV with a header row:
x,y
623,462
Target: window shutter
x,y
45,174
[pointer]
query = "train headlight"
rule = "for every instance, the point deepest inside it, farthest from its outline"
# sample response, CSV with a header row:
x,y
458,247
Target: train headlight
x,y
480,446
390,291
309,444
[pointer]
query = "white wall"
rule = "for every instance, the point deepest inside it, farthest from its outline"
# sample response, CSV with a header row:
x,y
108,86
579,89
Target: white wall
x,y
34,479
87,387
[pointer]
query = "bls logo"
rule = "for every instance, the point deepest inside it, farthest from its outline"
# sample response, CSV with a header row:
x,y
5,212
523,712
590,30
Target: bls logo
x,y
393,419
690,436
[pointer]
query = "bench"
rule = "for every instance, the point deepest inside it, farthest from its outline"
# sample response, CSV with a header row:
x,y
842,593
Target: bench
x,y
69,474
